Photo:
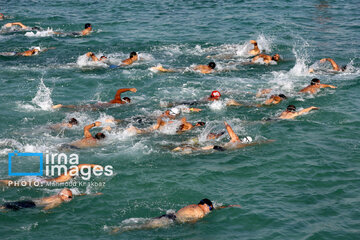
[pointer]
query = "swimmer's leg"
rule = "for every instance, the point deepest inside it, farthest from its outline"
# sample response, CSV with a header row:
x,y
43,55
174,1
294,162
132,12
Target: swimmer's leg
x,y
63,106
233,136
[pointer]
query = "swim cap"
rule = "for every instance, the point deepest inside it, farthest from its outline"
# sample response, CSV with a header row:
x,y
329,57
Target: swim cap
x,y
174,111
37,48
215,94
87,25
247,139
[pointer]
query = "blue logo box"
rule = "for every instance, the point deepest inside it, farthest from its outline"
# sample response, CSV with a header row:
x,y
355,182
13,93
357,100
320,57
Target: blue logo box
x,y
17,154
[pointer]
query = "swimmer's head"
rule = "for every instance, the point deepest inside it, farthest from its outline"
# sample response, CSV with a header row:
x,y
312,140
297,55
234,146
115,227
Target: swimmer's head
x,y
199,124
315,81
343,68
215,94
133,54
276,57
207,202
66,195
73,121
282,96
126,99
88,25
100,136
212,65
102,58
291,108
35,29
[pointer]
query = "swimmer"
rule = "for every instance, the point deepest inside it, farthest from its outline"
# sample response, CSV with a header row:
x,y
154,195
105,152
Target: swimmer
x,y
68,124
215,96
273,100
117,100
190,213
89,140
46,203
205,69
266,58
315,86
31,52
2,16
87,30
70,174
256,49
334,65
291,113
234,143
133,57
94,58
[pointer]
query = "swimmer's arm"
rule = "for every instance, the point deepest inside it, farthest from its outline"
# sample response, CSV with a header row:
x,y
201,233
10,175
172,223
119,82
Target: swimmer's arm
x,y
233,136
232,102
263,92
333,63
85,194
46,49
51,206
87,128
92,55
73,172
255,58
122,90
228,206
306,110
16,23
326,86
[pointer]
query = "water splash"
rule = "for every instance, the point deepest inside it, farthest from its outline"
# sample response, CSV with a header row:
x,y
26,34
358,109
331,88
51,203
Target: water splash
x,y
43,97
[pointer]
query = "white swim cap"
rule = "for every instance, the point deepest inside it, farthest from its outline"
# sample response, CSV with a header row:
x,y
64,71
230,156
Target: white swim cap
x,y
247,139
37,48
174,111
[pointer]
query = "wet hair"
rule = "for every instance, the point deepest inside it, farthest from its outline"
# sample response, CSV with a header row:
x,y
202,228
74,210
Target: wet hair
x,y
73,121
99,136
282,96
343,68
314,81
35,28
87,25
103,57
201,123
255,44
126,99
291,108
212,65
133,54
207,202
218,148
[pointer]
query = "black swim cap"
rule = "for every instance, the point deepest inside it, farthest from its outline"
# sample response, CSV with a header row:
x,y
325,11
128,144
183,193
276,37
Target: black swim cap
x,y
87,25
133,54
282,96
99,136
212,65
315,80
73,121
291,108
201,123
126,99
343,68
207,202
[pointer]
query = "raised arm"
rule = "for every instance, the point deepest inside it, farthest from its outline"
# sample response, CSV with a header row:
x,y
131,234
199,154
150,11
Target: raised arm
x,y
16,23
122,90
233,136
92,55
333,63
87,128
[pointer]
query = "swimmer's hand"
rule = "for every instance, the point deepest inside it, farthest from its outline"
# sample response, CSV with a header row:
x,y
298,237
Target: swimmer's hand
x,y
97,123
133,89
195,109
228,206
331,86
57,106
252,41
314,108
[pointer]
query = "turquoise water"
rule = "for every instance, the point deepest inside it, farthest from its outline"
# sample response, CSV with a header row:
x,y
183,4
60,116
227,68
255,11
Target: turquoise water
x,y
305,185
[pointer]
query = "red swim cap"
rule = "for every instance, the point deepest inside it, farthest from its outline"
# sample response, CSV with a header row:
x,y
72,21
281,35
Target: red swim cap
x,y
215,94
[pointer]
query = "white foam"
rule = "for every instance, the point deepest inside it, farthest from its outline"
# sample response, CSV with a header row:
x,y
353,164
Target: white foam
x,y
217,105
43,97
84,61
44,33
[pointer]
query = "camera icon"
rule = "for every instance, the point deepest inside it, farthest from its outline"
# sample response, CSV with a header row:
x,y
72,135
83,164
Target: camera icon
x,y
22,156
